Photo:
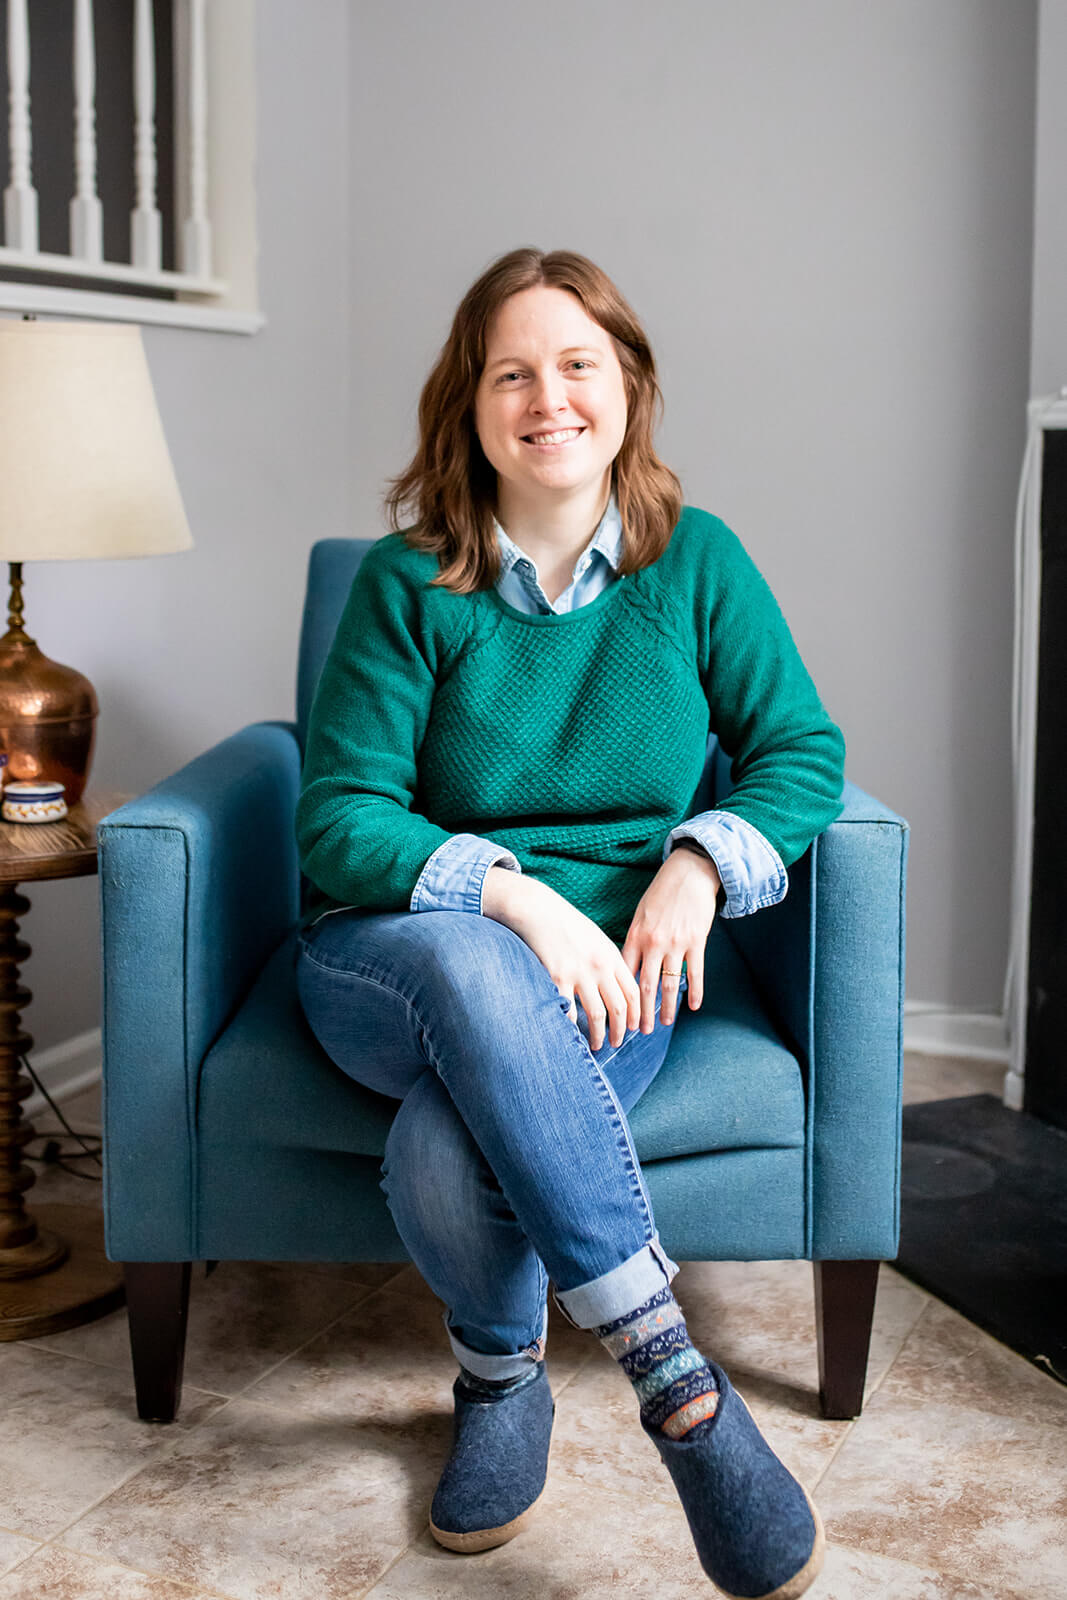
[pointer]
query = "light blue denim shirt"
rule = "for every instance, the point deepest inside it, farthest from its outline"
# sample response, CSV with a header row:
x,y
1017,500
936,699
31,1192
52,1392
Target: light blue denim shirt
x,y
750,867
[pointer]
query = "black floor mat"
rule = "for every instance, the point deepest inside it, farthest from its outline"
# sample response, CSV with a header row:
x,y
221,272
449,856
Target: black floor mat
x,y
984,1220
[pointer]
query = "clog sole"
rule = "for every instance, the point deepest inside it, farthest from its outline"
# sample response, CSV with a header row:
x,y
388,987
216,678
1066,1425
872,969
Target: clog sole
x,y
801,1581
486,1538
469,1544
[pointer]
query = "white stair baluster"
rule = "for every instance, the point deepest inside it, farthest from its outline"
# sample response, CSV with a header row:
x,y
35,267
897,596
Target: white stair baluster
x,y
86,211
196,230
20,197
146,248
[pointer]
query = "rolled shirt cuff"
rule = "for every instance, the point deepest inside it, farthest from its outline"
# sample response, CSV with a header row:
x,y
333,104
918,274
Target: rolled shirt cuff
x,y
749,866
453,877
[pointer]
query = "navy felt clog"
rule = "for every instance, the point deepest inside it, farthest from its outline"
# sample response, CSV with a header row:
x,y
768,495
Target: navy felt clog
x,y
756,1532
496,1471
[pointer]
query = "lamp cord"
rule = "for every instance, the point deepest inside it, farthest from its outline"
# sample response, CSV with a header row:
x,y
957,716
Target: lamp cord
x,y
52,1154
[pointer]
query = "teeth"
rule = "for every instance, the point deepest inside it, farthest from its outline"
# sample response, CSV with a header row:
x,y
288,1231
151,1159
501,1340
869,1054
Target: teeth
x,y
555,438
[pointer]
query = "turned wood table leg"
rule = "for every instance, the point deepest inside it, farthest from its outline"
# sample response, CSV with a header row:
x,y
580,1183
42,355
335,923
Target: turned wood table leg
x,y
25,1249
53,1270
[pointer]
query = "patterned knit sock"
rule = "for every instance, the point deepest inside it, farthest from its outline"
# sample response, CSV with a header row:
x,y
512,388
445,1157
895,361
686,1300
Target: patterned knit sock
x,y
673,1381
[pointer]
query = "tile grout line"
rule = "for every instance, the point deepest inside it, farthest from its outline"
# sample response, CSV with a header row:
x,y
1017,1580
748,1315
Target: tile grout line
x,y
168,1445
870,1396
353,1305
359,1594
578,1369
107,1366
924,1311
928,1299
366,1291
324,1328
242,1393
38,1546
158,1452
110,1366
142,1572
846,1434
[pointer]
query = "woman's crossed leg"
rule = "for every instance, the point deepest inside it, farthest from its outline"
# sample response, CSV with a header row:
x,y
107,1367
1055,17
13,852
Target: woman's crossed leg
x,y
510,1161
510,1158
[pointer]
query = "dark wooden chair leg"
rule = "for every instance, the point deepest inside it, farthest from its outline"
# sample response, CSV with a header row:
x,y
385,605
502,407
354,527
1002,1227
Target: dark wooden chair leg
x,y
157,1299
844,1311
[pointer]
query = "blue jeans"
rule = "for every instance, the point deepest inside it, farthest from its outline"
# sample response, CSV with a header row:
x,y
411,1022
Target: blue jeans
x,y
509,1161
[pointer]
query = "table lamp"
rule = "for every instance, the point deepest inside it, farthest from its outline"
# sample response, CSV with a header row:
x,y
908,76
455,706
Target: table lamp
x,y
84,474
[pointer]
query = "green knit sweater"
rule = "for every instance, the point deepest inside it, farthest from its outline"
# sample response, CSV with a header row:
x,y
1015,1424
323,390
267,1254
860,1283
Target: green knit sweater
x,y
576,740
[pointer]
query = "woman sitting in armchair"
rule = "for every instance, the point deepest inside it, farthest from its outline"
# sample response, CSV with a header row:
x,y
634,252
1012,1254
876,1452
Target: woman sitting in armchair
x,y
508,734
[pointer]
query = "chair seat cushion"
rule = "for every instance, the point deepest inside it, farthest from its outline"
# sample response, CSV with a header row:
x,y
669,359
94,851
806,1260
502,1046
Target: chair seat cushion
x,y
268,1081
728,1082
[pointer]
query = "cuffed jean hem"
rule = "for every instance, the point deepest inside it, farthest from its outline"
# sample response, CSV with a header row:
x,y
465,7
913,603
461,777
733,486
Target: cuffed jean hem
x,y
610,1296
497,1369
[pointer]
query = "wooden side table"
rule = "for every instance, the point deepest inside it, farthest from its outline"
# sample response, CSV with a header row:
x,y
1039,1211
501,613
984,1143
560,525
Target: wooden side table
x,y
53,1270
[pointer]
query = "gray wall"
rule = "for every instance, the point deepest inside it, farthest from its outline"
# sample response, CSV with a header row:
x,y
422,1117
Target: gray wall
x,y
185,649
823,213
1048,354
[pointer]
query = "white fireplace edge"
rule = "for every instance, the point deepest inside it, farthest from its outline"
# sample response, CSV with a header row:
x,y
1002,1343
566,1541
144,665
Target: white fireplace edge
x,y
1047,411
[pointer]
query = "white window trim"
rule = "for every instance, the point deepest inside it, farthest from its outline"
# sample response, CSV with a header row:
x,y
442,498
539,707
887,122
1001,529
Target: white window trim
x,y
230,301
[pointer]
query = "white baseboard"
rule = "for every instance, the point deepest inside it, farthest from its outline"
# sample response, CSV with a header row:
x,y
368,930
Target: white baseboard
x,y
930,1030
65,1069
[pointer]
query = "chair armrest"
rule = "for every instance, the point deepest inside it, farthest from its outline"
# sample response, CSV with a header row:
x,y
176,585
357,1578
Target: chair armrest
x,y
199,883
829,960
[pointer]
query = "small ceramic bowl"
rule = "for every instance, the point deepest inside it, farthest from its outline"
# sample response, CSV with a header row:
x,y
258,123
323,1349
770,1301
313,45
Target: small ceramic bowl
x,y
33,802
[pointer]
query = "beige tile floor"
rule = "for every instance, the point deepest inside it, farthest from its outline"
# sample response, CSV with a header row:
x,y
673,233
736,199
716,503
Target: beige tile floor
x,y
316,1415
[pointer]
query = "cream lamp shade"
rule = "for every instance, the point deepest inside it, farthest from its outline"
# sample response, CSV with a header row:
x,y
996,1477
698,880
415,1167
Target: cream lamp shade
x,y
85,474
84,467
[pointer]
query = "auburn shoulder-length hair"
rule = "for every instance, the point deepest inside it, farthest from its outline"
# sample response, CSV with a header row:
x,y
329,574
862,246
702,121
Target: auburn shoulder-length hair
x,y
449,484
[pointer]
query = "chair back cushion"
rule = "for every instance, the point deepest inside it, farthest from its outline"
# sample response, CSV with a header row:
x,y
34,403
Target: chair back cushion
x,y
332,566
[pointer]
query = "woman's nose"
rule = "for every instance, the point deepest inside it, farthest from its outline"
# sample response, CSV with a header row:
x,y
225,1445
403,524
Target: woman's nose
x,y
549,393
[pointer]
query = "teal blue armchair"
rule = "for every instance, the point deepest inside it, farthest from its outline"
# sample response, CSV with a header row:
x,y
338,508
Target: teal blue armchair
x,y
772,1131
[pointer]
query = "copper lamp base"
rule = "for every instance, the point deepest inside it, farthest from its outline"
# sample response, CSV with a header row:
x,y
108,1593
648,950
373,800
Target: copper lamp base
x,y
47,711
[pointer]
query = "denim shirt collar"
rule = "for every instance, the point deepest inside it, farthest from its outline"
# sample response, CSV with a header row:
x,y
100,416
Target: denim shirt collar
x,y
606,542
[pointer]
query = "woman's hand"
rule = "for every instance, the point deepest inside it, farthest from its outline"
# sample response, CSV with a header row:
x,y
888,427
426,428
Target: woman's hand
x,y
582,961
672,922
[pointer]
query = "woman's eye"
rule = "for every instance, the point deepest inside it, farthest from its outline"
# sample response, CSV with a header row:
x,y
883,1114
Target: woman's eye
x,y
581,363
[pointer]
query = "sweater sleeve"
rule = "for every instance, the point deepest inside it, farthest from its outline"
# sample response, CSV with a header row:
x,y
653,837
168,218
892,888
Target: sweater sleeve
x,y
787,756
358,838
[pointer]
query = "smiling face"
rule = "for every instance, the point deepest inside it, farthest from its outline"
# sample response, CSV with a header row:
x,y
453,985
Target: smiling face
x,y
550,407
